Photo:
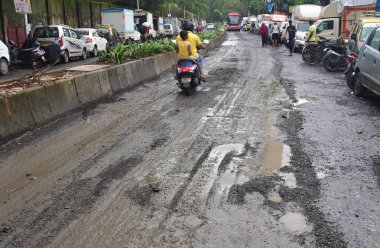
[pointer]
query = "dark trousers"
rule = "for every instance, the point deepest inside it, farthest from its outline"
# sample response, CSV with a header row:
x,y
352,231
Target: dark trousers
x,y
264,40
291,45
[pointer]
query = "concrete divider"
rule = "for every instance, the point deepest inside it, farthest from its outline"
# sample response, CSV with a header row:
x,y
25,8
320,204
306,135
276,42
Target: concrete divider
x,y
39,105
62,97
35,106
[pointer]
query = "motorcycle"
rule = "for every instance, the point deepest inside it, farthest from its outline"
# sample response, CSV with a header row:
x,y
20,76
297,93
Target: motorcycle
x,y
350,71
34,56
188,76
334,58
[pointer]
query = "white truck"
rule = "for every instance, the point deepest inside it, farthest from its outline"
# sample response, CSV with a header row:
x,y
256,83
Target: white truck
x,y
158,24
301,16
122,20
337,20
176,24
145,16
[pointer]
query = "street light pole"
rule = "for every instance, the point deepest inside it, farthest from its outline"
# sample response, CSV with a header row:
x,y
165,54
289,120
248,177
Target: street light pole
x,y
138,4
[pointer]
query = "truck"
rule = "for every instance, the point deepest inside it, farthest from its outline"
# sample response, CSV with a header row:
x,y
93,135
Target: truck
x,y
333,24
158,24
301,16
145,16
122,20
175,23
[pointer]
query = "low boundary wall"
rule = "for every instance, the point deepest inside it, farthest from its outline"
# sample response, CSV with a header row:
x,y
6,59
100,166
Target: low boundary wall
x,y
33,107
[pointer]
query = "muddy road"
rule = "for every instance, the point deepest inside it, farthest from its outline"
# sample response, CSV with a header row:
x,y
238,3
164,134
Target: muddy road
x,y
268,152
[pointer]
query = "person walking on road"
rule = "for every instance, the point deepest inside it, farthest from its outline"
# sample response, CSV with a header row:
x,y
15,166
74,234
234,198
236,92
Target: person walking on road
x,y
291,30
264,34
275,34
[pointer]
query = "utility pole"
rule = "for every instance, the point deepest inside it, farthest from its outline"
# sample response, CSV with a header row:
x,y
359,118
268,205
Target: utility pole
x,y
138,4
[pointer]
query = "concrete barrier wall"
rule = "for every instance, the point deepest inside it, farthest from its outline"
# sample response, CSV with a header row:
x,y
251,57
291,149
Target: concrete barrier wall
x,y
35,106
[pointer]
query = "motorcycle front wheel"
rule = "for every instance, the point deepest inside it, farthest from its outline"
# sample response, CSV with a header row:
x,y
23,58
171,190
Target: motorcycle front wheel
x,y
328,64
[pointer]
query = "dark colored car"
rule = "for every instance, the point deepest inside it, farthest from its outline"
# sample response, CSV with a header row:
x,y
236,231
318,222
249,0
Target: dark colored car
x,y
110,34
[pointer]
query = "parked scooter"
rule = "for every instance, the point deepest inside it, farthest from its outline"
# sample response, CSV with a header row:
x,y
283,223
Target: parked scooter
x,y
350,71
33,55
334,58
13,52
188,76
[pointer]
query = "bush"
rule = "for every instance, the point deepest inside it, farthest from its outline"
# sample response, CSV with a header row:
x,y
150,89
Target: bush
x,y
211,34
120,53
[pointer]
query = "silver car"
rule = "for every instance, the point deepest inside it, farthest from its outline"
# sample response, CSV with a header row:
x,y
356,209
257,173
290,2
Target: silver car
x,y
367,66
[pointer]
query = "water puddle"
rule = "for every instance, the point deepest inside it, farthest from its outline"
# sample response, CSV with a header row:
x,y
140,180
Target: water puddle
x,y
230,43
255,198
321,174
275,197
275,156
222,150
301,101
289,179
295,222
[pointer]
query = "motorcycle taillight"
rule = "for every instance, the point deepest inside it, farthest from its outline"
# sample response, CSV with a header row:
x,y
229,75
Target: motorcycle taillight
x,y
186,69
352,57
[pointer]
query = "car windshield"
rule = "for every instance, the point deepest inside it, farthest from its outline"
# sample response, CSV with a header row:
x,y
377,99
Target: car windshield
x,y
302,26
367,28
46,32
167,26
83,32
233,20
104,32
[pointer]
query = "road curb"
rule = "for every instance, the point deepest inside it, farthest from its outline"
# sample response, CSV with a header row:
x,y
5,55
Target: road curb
x,y
36,106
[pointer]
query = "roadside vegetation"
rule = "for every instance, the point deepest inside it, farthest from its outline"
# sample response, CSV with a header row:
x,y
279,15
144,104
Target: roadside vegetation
x,y
120,53
212,34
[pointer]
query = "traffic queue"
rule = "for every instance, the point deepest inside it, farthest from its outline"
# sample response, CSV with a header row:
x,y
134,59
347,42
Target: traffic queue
x,y
342,38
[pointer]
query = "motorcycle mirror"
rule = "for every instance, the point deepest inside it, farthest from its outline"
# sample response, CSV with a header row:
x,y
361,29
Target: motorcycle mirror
x,y
174,41
206,42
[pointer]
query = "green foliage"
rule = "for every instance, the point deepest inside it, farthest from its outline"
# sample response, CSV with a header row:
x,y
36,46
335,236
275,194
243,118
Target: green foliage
x,y
209,35
118,54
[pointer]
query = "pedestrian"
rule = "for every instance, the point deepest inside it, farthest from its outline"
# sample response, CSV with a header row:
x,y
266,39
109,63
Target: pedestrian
x,y
270,34
264,34
291,30
312,33
275,34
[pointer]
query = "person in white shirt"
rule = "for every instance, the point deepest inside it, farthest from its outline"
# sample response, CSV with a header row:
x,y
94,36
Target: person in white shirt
x,y
275,34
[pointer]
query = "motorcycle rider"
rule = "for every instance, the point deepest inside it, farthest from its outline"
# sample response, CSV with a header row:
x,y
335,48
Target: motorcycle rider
x,y
195,43
183,48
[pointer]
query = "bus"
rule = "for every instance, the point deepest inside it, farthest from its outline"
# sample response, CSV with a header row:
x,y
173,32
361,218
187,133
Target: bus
x,y
233,21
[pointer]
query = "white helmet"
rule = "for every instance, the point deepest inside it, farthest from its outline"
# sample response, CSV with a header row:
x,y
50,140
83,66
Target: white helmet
x,y
146,24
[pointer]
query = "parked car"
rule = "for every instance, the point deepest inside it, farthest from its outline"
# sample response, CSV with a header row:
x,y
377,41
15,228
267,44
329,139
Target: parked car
x,y
362,28
70,43
169,30
4,59
210,26
110,34
367,68
93,42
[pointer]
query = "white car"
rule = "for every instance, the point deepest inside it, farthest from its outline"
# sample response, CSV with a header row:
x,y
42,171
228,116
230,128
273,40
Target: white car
x,y
92,40
66,37
210,26
4,59
169,31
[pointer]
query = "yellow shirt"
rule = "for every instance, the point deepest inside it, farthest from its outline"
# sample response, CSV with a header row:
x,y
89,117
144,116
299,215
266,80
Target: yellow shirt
x,y
312,34
183,49
194,41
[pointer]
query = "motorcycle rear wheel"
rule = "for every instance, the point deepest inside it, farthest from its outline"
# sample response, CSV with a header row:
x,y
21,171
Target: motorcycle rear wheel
x,y
327,64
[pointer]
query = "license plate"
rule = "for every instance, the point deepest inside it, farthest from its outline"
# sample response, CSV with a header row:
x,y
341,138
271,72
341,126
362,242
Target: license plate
x,y
186,82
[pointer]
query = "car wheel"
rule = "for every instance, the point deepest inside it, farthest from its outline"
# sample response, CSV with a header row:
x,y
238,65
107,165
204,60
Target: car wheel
x,y
4,67
65,58
358,87
84,54
95,52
